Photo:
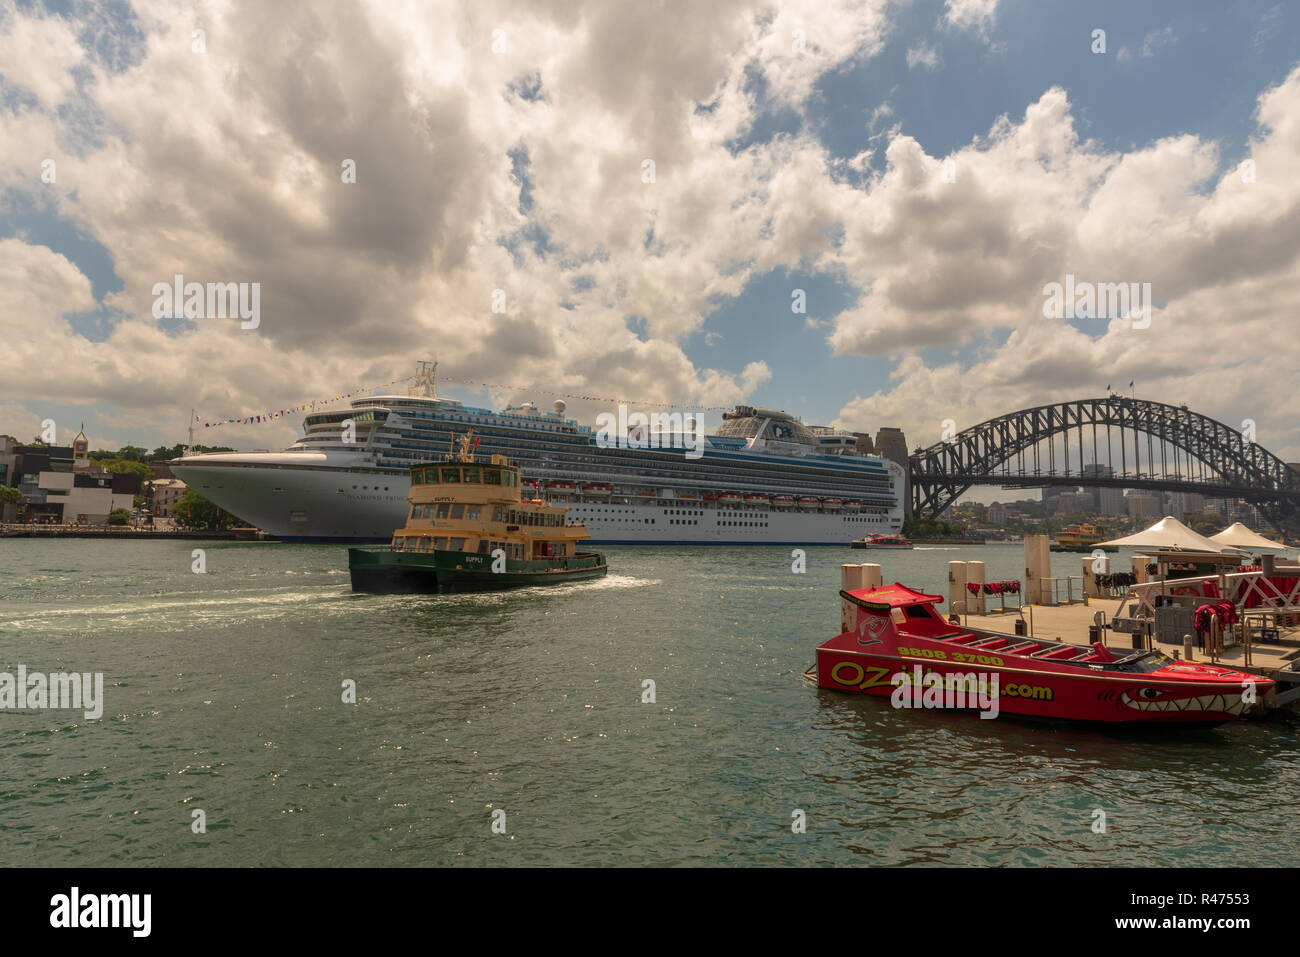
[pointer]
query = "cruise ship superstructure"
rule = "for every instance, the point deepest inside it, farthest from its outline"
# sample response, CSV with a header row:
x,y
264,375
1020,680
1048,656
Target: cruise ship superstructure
x,y
765,478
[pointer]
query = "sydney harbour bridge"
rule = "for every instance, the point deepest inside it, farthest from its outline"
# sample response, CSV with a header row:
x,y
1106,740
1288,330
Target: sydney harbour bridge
x,y
1111,442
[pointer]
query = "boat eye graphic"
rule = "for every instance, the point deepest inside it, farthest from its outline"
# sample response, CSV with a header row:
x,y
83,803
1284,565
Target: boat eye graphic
x,y
1150,693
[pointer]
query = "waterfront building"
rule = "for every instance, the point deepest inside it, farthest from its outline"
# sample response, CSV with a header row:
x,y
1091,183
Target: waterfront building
x,y
166,493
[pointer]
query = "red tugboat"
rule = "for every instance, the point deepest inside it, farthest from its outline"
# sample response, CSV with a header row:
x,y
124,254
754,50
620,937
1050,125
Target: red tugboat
x,y
898,631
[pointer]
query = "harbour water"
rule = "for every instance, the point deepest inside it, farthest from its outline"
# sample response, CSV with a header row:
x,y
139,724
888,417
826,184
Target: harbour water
x,y
224,694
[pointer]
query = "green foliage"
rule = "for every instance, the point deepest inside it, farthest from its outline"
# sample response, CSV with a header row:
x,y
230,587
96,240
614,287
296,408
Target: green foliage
x,y
192,510
119,516
9,495
165,453
933,528
127,467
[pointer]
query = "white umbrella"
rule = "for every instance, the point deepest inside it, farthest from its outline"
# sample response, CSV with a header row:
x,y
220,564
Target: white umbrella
x,y
1238,535
1169,534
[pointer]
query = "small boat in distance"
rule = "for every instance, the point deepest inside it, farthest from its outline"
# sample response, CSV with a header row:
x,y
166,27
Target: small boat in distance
x,y
469,529
898,640
880,541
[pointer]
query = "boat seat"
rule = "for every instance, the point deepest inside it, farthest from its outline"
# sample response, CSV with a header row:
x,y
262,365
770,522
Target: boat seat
x,y
1100,653
1063,654
993,644
965,638
1021,647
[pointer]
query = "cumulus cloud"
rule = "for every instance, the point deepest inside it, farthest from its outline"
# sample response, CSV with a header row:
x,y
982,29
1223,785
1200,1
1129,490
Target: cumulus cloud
x,y
923,54
500,154
1031,203
37,55
974,15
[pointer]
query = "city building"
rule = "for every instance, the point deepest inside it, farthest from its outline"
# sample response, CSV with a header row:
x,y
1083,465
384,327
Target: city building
x,y
891,444
72,498
1107,501
166,493
1144,505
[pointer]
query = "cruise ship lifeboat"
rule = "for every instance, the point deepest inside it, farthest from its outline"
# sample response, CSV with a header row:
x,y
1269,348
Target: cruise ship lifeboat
x,y
832,503
756,499
808,501
852,505
783,501
596,490
729,498
898,632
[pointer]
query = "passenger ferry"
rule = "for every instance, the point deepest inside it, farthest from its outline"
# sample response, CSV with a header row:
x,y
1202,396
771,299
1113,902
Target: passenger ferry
x,y
764,478
469,529
1081,538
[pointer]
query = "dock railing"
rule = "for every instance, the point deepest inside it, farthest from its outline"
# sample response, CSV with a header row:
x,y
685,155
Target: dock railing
x,y
1067,590
1237,587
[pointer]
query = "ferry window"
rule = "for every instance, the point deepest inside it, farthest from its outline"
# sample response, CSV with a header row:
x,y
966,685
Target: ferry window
x,y
458,544
442,510
440,544
473,512
458,511
498,513
424,544
451,475
397,542
471,475
491,477
482,546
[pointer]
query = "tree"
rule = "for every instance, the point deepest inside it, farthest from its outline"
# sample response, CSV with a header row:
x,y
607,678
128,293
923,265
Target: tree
x,y
9,495
192,510
119,516
128,467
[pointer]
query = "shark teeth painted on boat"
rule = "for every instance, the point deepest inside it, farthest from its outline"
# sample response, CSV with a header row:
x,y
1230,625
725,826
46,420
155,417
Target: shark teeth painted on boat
x,y
1226,703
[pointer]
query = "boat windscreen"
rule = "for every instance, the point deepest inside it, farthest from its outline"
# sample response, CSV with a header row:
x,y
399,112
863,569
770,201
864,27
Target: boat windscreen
x,y
1152,661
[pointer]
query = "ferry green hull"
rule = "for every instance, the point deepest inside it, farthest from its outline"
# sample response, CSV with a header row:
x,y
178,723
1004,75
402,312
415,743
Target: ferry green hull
x,y
382,570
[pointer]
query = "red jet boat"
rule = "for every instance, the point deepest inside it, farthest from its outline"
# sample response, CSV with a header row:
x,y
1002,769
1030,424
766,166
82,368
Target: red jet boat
x,y
899,641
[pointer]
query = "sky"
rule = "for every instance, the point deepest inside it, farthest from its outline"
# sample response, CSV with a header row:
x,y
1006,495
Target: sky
x,y
633,201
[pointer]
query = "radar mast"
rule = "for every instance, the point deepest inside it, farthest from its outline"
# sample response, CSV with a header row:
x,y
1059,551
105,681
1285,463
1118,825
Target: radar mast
x,y
426,379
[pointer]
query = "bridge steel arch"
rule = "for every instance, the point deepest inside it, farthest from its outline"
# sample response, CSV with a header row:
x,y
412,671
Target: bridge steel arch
x,y
1237,467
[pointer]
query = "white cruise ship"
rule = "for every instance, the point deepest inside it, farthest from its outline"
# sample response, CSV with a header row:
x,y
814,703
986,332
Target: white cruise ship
x,y
765,478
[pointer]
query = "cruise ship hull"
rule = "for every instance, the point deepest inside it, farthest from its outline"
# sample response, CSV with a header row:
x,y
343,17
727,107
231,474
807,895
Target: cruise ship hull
x,y
313,502
764,478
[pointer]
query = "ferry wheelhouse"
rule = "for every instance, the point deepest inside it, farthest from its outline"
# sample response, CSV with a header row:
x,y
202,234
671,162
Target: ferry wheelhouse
x,y
470,529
